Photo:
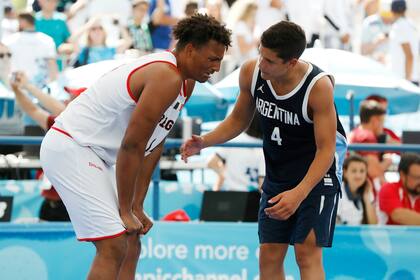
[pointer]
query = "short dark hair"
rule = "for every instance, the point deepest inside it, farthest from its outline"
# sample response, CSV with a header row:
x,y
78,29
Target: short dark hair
x,y
370,108
200,29
398,6
28,17
407,160
285,38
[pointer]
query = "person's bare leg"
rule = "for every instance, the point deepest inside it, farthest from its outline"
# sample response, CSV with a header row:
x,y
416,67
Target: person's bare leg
x,y
109,256
129,265
309,259
271,261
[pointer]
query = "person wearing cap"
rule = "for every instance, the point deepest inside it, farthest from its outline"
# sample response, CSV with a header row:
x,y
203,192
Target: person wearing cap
x,y
375,32
403,44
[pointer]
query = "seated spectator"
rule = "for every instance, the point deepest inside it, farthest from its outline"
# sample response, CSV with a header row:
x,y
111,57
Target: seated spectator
x,y
96,48
240,169
388,136
52,208
400,202
372,117
357,204
9,24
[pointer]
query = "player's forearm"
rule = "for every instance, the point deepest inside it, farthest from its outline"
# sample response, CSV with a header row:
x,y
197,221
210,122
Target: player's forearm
x,y
405,216
144,176
322,162
50,103
226,130
128,162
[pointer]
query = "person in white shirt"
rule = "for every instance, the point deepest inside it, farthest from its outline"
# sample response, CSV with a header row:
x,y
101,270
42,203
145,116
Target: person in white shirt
x,y
356,206
375,33
403,44
240,169
32,52
101,152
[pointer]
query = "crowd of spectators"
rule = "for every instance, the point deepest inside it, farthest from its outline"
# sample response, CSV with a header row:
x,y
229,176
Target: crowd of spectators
x,y
42,38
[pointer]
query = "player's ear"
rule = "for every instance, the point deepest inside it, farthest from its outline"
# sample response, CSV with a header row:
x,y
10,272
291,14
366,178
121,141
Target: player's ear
x,y
293,62
189,48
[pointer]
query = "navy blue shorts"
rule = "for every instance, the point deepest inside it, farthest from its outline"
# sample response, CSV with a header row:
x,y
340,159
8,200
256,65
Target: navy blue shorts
x,y
316,212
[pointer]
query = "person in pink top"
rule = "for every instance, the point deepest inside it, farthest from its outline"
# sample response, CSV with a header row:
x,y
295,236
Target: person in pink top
x,y
400,201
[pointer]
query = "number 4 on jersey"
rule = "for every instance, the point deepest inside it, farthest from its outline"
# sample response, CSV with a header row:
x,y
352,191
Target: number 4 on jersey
x,y
275,136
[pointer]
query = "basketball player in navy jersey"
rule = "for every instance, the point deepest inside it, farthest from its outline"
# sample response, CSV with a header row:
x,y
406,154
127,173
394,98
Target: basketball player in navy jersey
x,y
304,144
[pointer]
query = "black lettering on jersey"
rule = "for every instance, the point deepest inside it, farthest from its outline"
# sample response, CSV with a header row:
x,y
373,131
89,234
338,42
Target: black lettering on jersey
x,y
166,123
176,106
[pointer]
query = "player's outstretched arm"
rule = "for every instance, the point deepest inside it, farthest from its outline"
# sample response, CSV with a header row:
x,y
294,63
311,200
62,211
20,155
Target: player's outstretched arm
x,y
234,124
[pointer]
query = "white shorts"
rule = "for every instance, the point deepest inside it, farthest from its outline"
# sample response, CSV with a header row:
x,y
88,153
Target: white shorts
x,y
86,185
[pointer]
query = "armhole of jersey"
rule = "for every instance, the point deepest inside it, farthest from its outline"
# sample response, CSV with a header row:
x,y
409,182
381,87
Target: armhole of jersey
x,y
308,92
254,78
141,66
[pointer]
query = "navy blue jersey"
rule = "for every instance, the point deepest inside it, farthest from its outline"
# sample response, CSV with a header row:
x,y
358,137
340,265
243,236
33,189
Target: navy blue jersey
x,y
289,138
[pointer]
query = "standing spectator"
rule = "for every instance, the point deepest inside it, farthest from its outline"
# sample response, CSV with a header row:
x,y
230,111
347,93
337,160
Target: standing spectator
x,y
138,28
403,44
400,201
338,25
375,34
33,52
240,169
269,12
52,23
357,203
310,20
372,117
162,24
9,23
242,22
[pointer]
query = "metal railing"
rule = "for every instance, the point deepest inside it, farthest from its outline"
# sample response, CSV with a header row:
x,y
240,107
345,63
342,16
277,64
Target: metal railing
x,y
174,143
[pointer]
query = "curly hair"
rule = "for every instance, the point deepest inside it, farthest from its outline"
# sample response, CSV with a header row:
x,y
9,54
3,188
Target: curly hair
x,y
200,29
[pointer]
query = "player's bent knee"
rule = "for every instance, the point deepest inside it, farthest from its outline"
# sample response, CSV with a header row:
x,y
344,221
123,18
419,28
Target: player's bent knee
x,y
308,259
115,248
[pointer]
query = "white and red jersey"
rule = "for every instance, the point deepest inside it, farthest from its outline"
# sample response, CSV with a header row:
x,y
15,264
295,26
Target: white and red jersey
x,y
98,118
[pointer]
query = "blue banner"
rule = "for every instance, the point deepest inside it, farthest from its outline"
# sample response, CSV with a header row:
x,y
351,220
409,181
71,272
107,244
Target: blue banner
x,y
207,251
173,196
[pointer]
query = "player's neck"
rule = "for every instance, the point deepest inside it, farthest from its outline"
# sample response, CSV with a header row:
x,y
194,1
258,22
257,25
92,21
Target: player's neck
x,y
180,63
293,76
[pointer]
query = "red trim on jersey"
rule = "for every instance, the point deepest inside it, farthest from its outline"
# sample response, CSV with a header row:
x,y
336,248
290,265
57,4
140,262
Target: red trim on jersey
x,y
62,131
102,237
135,69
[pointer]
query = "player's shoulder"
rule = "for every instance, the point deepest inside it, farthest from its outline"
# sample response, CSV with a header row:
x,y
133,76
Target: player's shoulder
x,y
246,73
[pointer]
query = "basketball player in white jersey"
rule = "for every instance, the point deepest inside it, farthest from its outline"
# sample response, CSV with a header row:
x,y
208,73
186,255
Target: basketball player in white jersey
x,y
120,123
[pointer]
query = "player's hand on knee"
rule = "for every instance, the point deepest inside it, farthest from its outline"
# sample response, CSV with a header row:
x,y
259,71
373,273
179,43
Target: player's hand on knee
x,y
285,204
144,220
131,223
191,147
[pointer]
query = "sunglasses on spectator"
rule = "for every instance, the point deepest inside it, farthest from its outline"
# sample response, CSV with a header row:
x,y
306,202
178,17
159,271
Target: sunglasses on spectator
x,y
2,55
94,28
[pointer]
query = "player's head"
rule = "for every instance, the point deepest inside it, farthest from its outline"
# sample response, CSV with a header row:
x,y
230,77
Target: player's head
x,y
281,46
409,169
203,41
